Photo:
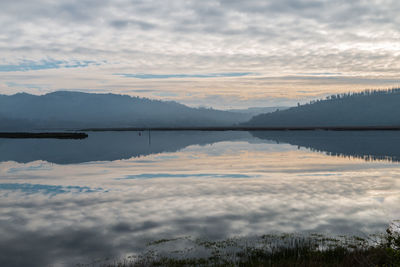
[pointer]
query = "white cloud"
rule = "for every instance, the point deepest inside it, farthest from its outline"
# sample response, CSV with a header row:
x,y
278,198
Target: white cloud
x,y
273,38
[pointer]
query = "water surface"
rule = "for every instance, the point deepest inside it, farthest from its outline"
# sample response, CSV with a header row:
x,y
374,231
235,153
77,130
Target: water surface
x,y
81,201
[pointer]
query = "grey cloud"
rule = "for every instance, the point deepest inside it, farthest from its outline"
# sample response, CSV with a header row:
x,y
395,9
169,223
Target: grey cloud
x,y
182,75
355,38
333,79
119,24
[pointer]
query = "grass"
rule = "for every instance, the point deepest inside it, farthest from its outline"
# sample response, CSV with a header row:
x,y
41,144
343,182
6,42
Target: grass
x,y
274,250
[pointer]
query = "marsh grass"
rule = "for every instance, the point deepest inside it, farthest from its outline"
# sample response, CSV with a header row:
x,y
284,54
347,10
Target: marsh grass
x,y
273,250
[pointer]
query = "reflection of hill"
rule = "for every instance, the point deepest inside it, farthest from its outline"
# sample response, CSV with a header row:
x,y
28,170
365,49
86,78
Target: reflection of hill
x,y
107,146
370,145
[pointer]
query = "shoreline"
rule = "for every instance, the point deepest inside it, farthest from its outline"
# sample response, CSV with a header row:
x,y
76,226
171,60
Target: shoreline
x,y
247,128
57,135
81,133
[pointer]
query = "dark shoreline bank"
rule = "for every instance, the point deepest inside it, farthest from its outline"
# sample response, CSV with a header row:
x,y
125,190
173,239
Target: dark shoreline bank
x,y
246,128
43,135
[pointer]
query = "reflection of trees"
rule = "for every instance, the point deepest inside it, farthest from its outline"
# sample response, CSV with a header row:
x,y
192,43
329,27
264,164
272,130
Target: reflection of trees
x,y
369,146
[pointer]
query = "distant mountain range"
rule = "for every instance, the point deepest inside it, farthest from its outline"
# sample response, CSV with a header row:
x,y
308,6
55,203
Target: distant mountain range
x,y
72,110
258,110
368,108
76,110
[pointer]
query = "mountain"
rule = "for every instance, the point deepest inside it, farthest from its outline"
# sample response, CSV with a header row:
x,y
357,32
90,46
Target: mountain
x,y
71,110
368,108
258,110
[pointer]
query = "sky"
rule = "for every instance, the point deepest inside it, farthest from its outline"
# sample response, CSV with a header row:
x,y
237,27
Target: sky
x,y
212,53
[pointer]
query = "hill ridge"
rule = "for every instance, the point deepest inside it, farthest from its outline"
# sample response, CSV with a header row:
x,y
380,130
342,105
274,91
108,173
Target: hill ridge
x,y
367,108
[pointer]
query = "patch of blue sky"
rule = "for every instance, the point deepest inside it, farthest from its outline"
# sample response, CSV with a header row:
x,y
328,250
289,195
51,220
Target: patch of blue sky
x,y
167,76
184,175
47,189
30,65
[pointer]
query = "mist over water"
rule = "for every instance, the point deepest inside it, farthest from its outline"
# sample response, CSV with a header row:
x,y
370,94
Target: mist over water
x,y
77,201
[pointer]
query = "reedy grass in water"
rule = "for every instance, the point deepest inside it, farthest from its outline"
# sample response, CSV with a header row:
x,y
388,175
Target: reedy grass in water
x,y
274,250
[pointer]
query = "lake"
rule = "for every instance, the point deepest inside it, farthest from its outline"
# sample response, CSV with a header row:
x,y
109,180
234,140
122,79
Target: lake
x,y
65,202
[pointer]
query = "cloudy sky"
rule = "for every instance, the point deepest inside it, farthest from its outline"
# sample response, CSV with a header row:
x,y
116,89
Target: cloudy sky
x,y
219,53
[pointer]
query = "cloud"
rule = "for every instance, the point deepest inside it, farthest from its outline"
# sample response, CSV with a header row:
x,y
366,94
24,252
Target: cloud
x,y
167,76
147,40
126,23
23,85
320,73
169,175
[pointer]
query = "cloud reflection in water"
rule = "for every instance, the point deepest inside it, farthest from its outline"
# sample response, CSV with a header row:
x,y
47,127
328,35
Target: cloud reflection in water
x,y
46,189
277,188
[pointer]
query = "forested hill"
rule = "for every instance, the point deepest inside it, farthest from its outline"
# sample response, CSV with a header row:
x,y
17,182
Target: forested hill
x,y
368,108
64,109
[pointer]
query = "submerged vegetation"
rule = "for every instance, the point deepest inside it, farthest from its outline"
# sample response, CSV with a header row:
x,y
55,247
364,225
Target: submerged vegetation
x,y
273,250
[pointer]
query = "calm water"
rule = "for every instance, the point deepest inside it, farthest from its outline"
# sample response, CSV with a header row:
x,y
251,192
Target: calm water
x,y
78,201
